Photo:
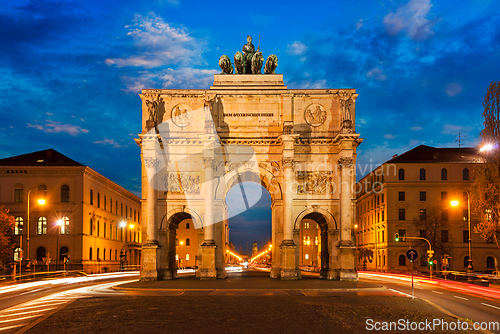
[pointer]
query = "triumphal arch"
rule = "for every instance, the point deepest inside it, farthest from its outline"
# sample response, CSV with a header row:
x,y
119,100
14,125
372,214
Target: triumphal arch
x,y
299,144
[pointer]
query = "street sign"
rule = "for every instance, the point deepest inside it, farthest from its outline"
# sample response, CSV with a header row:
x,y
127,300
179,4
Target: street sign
x,y
412,254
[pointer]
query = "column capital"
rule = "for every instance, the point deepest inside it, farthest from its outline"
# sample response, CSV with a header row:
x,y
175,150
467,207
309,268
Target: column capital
x,y
288,163
209,162
345,162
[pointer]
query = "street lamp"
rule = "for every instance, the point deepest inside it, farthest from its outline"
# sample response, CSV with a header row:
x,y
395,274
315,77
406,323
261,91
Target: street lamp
x,y
470,267
123,255
59,223
41,201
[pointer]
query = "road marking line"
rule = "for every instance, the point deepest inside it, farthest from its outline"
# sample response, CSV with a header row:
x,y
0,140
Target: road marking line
x,y
13,326
498,308
460,297
437,292
21,307
401,292
30,312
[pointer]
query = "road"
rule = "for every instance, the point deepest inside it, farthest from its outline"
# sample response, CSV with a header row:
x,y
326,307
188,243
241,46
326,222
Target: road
x,y
24,305
464,300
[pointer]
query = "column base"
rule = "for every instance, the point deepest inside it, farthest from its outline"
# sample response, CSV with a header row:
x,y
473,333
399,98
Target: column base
x,y
347,261
207,266
289,267
348,275
149,270
275,272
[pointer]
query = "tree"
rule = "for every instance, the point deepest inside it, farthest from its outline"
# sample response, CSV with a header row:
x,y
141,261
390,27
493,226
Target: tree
x,y
485,189
6,242
431,227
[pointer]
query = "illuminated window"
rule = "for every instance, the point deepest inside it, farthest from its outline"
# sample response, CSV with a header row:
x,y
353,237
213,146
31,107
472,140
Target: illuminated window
x,y
41,226
187,257
18,228
17,254
307,257
316,240
176,257
65,225
306,225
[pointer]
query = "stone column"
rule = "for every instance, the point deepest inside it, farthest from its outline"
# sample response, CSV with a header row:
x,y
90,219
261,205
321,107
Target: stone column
x,y
347,248
152,163
207,265
289,265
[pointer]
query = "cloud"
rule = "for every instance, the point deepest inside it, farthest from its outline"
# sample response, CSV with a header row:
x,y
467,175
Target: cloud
x,y
453,129
453,89
359,24
160,44
107,141
410,18
377,74
296,48
416,128
389,136
58,127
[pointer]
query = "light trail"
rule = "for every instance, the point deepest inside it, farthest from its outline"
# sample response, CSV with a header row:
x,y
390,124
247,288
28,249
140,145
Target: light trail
x,y
262,253
69,280
235,255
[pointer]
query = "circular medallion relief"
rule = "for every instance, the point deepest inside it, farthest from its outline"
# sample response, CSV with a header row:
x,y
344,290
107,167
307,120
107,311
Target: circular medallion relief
x,y
181,115
315,115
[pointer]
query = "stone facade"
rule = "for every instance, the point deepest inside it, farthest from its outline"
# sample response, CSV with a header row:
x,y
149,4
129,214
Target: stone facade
x,y
300,144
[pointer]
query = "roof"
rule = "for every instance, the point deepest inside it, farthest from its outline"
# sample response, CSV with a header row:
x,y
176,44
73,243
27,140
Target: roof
x,y
48,157
425,153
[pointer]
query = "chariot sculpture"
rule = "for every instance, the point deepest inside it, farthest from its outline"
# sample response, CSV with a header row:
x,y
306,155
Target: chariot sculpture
x,y
249,61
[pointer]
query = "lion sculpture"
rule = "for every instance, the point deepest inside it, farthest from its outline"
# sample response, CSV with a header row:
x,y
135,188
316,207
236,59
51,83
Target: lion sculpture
x,y
271,64
225,65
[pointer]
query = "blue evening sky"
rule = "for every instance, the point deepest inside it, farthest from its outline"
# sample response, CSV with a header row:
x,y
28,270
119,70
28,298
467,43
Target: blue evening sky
x,y
71,71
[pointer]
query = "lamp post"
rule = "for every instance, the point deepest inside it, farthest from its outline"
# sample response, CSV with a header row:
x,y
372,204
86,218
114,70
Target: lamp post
x,y
41,201
123,254
470,267
59,223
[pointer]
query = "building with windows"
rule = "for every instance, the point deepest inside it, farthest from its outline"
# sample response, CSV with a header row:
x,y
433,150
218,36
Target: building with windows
x,y
67,212
411,195
186,244
309,243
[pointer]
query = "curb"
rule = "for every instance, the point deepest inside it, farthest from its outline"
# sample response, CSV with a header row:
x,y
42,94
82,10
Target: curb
x,y
448,313
277,289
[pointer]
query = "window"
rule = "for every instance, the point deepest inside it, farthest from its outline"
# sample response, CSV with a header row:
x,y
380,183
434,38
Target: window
x,y
135,215
130,213
383,236
444,174
444,214
98,251
383,215
64,194
104,230
104,254
116,207
444,236
423,196
382,198
91,226
444,195
18,195
401,174
63,253
110,254
402,233
105,202
41,226
40,253
17,254
110,205
98,227
401,195
465,174
91,197
116,254
402,214
187,257
490,262
65,225
126,209
465,236
423,234
378,200
98,199
423,214
306,225
110,233
316,240
466,261
422,174
90,253
465,215
307,257
187,226
121,210
188,242
402,260
18,227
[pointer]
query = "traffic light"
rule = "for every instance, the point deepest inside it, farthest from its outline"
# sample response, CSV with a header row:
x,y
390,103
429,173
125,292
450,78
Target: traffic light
x,y
396,237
